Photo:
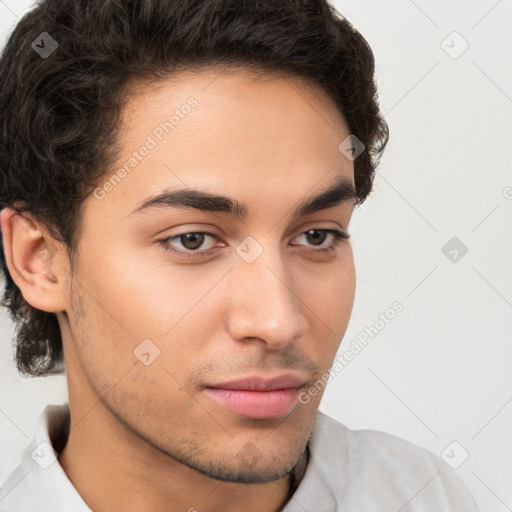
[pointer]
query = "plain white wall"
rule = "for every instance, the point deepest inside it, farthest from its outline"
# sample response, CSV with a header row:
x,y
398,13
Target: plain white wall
x,y
440,370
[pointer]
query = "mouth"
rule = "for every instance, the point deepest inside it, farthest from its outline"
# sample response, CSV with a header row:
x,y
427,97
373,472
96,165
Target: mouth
x,y
258,397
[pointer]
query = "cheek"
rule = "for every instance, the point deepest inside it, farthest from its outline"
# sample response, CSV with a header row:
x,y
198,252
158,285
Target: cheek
x,y
144,293
329,291
328,303
122,363
130,299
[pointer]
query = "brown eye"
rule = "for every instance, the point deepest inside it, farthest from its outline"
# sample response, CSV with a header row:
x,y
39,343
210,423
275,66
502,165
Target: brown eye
x,y
188,244
316,236
192,241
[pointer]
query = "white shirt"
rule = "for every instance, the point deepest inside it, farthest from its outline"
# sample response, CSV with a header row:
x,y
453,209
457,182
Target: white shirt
x,y
348,471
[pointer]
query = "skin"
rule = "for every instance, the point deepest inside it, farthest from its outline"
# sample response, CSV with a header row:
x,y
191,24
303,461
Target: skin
x,y
147,438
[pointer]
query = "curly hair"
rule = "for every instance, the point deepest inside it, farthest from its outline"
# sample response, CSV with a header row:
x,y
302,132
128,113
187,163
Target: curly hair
x,y
60,111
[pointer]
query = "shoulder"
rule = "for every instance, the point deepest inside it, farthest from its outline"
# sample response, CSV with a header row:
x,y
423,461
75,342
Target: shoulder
x,y
22,492
379,467
38,483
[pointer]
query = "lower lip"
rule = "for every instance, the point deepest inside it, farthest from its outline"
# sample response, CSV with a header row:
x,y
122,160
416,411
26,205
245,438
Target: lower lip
x,y
256,404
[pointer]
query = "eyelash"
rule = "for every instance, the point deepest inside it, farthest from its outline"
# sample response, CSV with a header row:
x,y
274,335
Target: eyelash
x,y
339,237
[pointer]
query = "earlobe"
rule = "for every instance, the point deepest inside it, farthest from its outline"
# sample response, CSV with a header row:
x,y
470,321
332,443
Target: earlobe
x,y
33,260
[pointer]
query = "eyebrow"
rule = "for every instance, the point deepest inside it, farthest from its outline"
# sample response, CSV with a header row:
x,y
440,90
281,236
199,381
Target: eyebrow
x,y
341,191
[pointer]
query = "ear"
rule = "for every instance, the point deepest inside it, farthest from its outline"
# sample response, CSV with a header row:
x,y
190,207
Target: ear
x,y
37,264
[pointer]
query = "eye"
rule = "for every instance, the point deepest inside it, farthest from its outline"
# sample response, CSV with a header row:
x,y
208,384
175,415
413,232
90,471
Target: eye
x,y
318,236
189,243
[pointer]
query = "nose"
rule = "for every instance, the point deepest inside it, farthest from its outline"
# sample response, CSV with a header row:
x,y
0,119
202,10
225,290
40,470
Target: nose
x,y
265,302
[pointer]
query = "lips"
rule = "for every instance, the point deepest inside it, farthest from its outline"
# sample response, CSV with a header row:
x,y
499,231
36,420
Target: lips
x,y
258,397
259,383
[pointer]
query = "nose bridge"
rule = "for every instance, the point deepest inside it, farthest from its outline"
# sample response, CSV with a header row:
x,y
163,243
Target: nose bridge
x,y
265,303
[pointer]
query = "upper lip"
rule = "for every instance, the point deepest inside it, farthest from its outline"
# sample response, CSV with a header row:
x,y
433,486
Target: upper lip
x,y
260,383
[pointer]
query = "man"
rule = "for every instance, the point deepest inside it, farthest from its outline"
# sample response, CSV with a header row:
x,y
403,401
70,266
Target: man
x,y
177,184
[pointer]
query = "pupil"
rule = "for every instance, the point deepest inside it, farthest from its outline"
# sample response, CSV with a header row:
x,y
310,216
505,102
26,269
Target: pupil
x,y
315,238
192,240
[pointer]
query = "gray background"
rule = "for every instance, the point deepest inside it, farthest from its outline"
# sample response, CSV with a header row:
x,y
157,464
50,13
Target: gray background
x,y
440,370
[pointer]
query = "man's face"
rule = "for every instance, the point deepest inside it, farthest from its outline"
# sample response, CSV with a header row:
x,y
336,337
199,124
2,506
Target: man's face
x,y
150,330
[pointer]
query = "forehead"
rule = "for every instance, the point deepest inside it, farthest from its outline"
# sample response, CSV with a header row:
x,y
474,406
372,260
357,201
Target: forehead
x,y
227,130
